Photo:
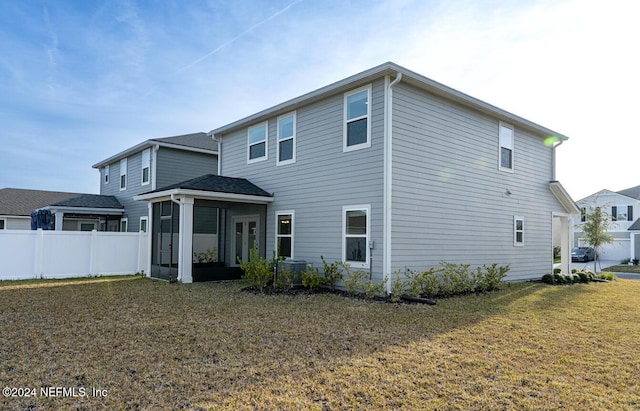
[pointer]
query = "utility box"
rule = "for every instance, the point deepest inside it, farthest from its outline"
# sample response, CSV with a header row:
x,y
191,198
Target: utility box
x,y
296,268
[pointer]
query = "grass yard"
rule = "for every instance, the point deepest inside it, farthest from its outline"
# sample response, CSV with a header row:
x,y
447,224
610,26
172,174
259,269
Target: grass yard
x,y
151,345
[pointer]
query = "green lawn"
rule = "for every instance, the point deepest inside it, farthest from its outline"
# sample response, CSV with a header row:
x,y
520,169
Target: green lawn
x,y
623,269
151,345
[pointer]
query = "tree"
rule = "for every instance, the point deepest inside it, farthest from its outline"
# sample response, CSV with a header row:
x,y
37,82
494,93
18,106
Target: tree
x,y
596,231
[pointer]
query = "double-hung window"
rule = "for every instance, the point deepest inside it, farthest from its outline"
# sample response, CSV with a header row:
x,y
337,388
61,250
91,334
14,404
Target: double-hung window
x,y
518,231
144,224
356,229
506,147
622,213
123,174
257,143
357,119
124,224
583,214
146,166
286,139
106,174
284,234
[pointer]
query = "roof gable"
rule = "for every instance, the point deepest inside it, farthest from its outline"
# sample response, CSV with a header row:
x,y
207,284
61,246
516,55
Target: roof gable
x,y
633,192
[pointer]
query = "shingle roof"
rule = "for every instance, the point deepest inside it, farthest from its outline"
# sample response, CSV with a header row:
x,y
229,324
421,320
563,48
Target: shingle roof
x,y
90,201
219,184
635,225
195,140
21,202
633,192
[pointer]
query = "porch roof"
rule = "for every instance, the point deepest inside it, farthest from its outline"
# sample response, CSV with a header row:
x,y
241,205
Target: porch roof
x,y
213,187
89,204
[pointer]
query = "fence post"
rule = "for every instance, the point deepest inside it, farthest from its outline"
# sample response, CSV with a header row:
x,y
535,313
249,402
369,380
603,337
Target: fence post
x,y
93,247
39,254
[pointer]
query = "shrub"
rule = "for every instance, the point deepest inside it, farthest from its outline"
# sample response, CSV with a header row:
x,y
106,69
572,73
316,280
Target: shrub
x,y
548,279
635,261
354,280
625,261
557,270
414,283
373,289
311,278
258,270
456,278
431,283
558,278
331,273
608,276
492,276
397,288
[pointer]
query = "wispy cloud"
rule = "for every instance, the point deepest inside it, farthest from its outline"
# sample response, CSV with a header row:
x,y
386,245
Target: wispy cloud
x,y
239,36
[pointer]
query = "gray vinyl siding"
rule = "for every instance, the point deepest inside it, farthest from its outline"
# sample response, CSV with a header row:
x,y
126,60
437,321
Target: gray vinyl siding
x,y
175,166
449,199
321,181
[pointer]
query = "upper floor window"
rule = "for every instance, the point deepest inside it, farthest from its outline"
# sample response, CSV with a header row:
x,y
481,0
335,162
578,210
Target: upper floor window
x,y
506,147
356,229
123,174
106,174
287,139
257,143
622,213
583,214
518,231
146,166
357,114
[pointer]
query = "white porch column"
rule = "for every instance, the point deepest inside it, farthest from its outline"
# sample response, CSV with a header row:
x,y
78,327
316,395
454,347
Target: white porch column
x,y
59,220
185,250
632,245
565,245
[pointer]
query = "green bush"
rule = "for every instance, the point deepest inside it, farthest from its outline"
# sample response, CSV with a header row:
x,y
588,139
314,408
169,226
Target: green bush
x,y
584,278
557,271
331,273
397,288
608,276
311,278
625,261
431,283
558,278
456,278
548,279
491,277
258,270
354,280
414,283
372,289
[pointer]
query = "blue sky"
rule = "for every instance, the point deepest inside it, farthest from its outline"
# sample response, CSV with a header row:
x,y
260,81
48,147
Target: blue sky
x,y
83,80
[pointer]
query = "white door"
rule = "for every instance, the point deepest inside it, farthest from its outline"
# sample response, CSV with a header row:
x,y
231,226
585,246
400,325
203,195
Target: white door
x,y
246,236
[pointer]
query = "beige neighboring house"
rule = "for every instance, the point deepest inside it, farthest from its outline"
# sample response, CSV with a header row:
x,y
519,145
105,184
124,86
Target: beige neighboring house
x,y
72,211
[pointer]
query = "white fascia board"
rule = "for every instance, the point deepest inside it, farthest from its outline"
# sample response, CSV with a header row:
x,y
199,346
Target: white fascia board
x,y
2,216
150,143
84,210
564,198
204,195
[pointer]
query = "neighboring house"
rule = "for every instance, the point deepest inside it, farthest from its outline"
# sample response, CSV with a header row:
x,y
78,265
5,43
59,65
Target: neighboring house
x,y
154,163
386,170
16,205
72,211
622,208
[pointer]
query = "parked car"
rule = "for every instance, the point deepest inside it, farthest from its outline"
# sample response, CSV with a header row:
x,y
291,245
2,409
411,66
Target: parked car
x,y
583,254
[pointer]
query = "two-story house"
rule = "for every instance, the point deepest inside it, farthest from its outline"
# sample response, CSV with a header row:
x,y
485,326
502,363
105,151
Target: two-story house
x,y
154,163
622,208
386,170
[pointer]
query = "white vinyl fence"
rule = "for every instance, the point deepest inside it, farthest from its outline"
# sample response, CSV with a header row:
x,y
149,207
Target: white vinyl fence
x,y
26,254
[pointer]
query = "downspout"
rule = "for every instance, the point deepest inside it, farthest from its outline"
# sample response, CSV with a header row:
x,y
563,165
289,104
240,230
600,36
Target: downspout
x,y
388,180
553,160
219,141
154,162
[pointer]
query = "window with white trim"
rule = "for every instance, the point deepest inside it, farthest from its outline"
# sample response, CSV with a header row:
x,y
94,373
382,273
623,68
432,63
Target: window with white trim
x,y
286,139
284,234
518,231
257,143
357,119
356,229
123,174
146,166
505,161
106,174
144,224
123,224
